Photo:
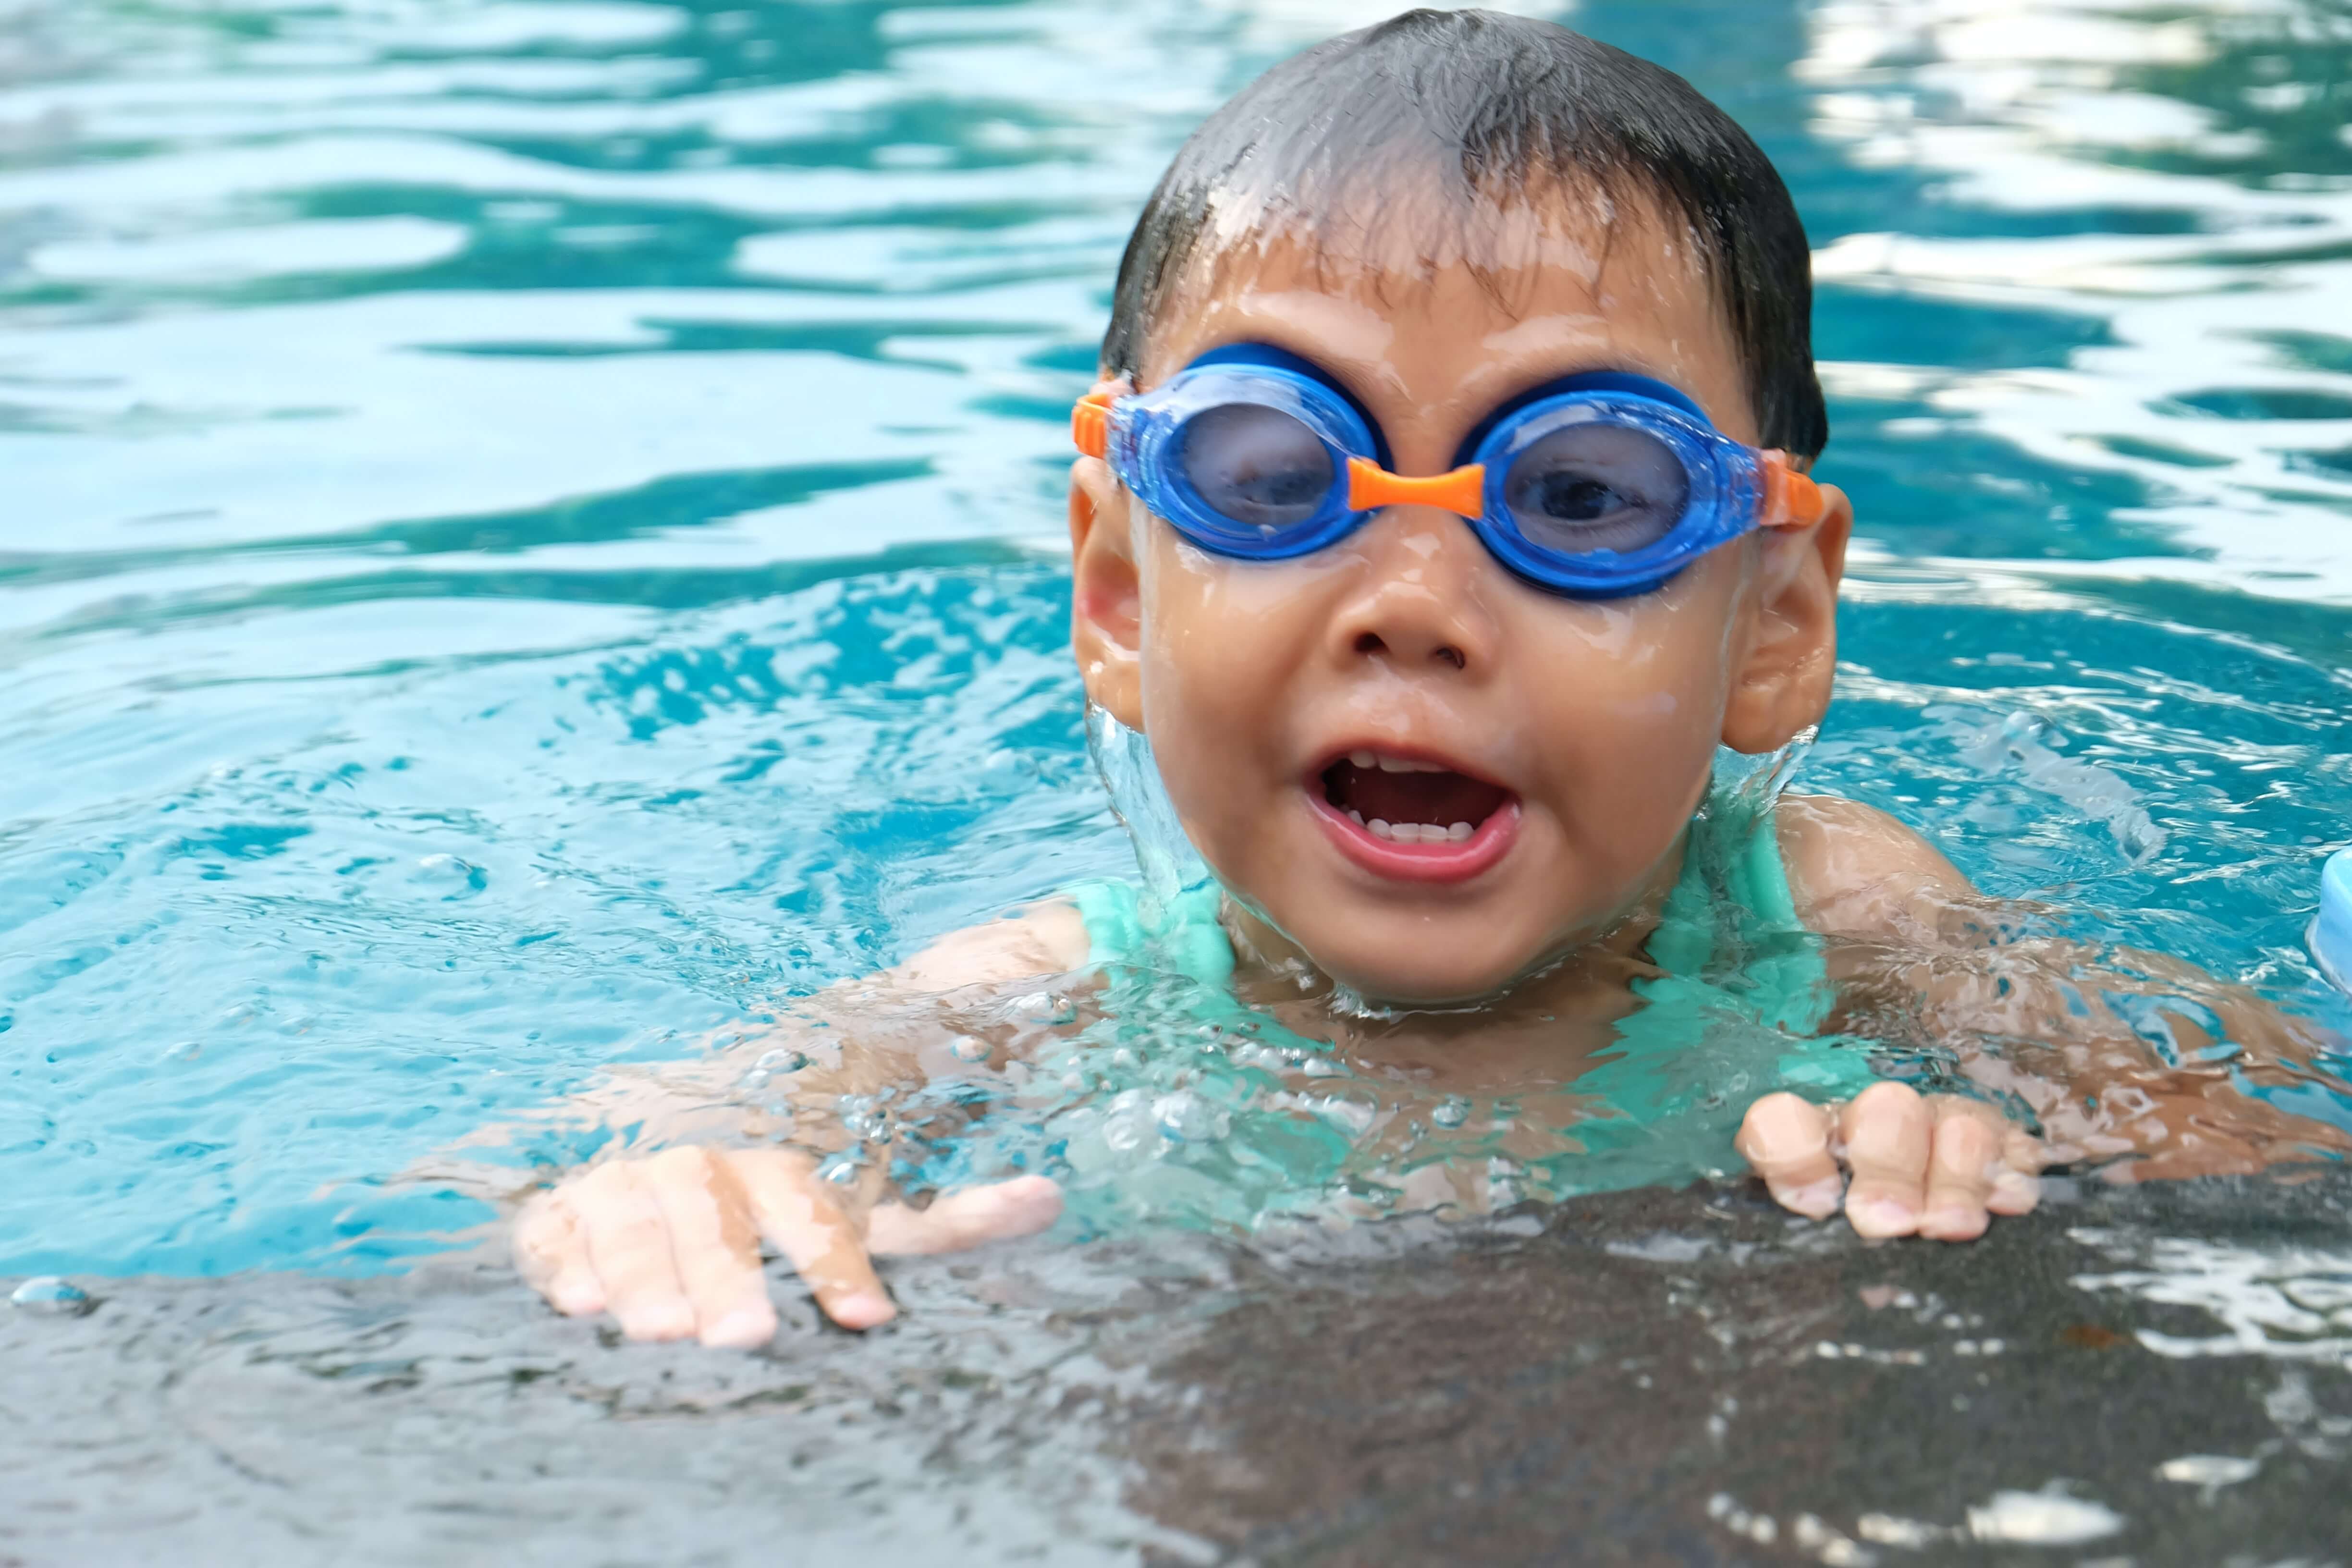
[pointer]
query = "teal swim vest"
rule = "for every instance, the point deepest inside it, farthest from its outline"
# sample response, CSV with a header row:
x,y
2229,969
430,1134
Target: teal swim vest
x,y
1736,959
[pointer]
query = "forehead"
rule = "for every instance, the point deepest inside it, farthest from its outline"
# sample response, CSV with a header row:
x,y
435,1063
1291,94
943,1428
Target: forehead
x,y
1430,311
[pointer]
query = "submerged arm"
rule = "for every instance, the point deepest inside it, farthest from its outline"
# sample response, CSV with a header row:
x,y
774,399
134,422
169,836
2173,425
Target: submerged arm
x,y
669,1242
2038,1020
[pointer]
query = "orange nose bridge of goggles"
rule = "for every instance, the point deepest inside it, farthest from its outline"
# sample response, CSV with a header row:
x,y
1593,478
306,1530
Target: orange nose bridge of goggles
x,y
1371,487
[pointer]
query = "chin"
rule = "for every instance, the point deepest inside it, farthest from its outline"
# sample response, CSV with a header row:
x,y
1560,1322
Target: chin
x,y
1424,980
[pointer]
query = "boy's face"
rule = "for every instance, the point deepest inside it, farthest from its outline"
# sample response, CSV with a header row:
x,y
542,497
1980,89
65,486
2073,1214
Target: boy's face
x,y
1586,728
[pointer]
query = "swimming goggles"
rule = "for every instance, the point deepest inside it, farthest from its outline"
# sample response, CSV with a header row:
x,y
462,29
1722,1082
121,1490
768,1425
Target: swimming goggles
x,y
1595,486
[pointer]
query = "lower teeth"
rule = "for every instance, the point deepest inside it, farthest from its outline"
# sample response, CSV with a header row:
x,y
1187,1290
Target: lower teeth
x,y
1415,832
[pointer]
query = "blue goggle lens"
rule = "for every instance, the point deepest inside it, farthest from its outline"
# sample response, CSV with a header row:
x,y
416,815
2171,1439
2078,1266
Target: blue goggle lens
x,y
1588,488
1258,467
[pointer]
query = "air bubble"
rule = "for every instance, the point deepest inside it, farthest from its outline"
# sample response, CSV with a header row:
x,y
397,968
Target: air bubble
x,y
1451,1112
965,1049
48,1294
863,1116
780,1061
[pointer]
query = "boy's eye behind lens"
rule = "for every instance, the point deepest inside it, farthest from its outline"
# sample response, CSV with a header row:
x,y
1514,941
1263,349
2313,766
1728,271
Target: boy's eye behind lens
x,y
1591,487
1257,464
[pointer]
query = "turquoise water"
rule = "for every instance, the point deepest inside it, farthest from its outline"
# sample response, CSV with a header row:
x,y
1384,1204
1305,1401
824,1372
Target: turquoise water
x,y
531,529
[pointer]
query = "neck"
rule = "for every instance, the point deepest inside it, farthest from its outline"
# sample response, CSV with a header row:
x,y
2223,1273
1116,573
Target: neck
x,y
1583,975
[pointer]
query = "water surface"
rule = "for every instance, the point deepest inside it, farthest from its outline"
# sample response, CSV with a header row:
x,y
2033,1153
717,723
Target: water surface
x,y
531,527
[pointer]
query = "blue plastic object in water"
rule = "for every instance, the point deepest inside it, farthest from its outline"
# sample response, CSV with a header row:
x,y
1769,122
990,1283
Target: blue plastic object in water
x,y
2331,932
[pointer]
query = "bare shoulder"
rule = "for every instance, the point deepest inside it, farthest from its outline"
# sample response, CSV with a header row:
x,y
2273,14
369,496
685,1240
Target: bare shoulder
x,y
1855,871
1048,938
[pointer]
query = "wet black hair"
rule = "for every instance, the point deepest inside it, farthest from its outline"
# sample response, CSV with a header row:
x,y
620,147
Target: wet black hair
x,y
1479,104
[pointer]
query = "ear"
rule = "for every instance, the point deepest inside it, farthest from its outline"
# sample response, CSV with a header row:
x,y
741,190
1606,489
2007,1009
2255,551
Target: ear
x,y
1783,682
1106,594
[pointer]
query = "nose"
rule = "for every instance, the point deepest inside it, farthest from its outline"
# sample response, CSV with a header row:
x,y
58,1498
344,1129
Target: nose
x,y
1416,601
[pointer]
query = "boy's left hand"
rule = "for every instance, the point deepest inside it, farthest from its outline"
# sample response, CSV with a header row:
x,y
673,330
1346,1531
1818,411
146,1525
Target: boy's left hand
x,y
1939,1166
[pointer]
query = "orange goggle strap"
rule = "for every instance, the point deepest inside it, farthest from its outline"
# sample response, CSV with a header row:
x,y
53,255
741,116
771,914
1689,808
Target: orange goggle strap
x,y
1789,500
1090,424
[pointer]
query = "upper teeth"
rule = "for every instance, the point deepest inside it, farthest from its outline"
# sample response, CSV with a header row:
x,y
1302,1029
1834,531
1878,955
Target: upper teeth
x,y
1368,759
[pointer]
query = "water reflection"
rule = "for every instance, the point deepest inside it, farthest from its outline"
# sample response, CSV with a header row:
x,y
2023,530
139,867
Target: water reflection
x,y
2172,183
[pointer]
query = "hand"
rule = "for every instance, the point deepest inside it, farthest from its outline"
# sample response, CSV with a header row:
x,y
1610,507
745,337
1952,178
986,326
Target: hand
x,y
1940,1166
669,1244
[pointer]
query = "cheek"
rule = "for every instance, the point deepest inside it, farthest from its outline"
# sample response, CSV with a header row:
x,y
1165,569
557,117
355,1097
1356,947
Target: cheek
x,y
1634,706
1218,637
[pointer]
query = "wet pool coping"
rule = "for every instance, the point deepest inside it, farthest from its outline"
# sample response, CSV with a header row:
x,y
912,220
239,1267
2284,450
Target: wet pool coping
x,y
2151,1375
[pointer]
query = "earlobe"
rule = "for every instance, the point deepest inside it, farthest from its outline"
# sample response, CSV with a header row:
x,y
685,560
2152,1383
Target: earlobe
x,y
1106,594
1782,685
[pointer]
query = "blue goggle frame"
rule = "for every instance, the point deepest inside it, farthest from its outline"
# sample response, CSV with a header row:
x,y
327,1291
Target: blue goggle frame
x,y
1731,488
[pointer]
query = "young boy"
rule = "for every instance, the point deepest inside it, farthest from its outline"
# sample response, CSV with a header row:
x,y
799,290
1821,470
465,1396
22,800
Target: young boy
x,y
1444,508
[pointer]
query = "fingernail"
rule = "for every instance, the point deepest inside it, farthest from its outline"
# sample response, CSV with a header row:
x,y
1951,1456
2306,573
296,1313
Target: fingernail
x,y
865,1310
659,1320
1815,1200
2016,1192
1881,1216
745,1328
579,1300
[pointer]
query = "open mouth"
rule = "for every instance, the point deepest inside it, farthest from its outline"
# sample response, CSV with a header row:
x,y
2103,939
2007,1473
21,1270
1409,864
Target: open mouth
x,y
1408,817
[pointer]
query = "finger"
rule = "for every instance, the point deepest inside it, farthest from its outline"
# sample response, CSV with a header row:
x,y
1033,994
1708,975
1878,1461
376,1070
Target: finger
x,y
628,1243
715,1247
1888,1132
553,1256
1962,1164
2017,1185
972,1217
796,1213
1788,1141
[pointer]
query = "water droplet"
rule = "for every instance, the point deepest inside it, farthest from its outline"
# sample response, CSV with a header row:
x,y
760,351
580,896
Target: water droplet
x,y
1451,1112
840,1169
463,878
965,1049
1185,1118
780,1061
1350,1116
1128,1122
47,1293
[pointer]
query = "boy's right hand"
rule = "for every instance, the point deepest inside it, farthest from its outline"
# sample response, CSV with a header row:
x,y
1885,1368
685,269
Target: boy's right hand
x,y
669,1242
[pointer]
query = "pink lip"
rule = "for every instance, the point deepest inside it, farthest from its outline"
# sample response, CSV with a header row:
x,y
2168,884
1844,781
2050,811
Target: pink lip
x,y
1447,862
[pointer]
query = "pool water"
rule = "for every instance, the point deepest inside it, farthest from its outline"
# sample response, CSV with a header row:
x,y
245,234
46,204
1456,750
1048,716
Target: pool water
x,y
531,529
